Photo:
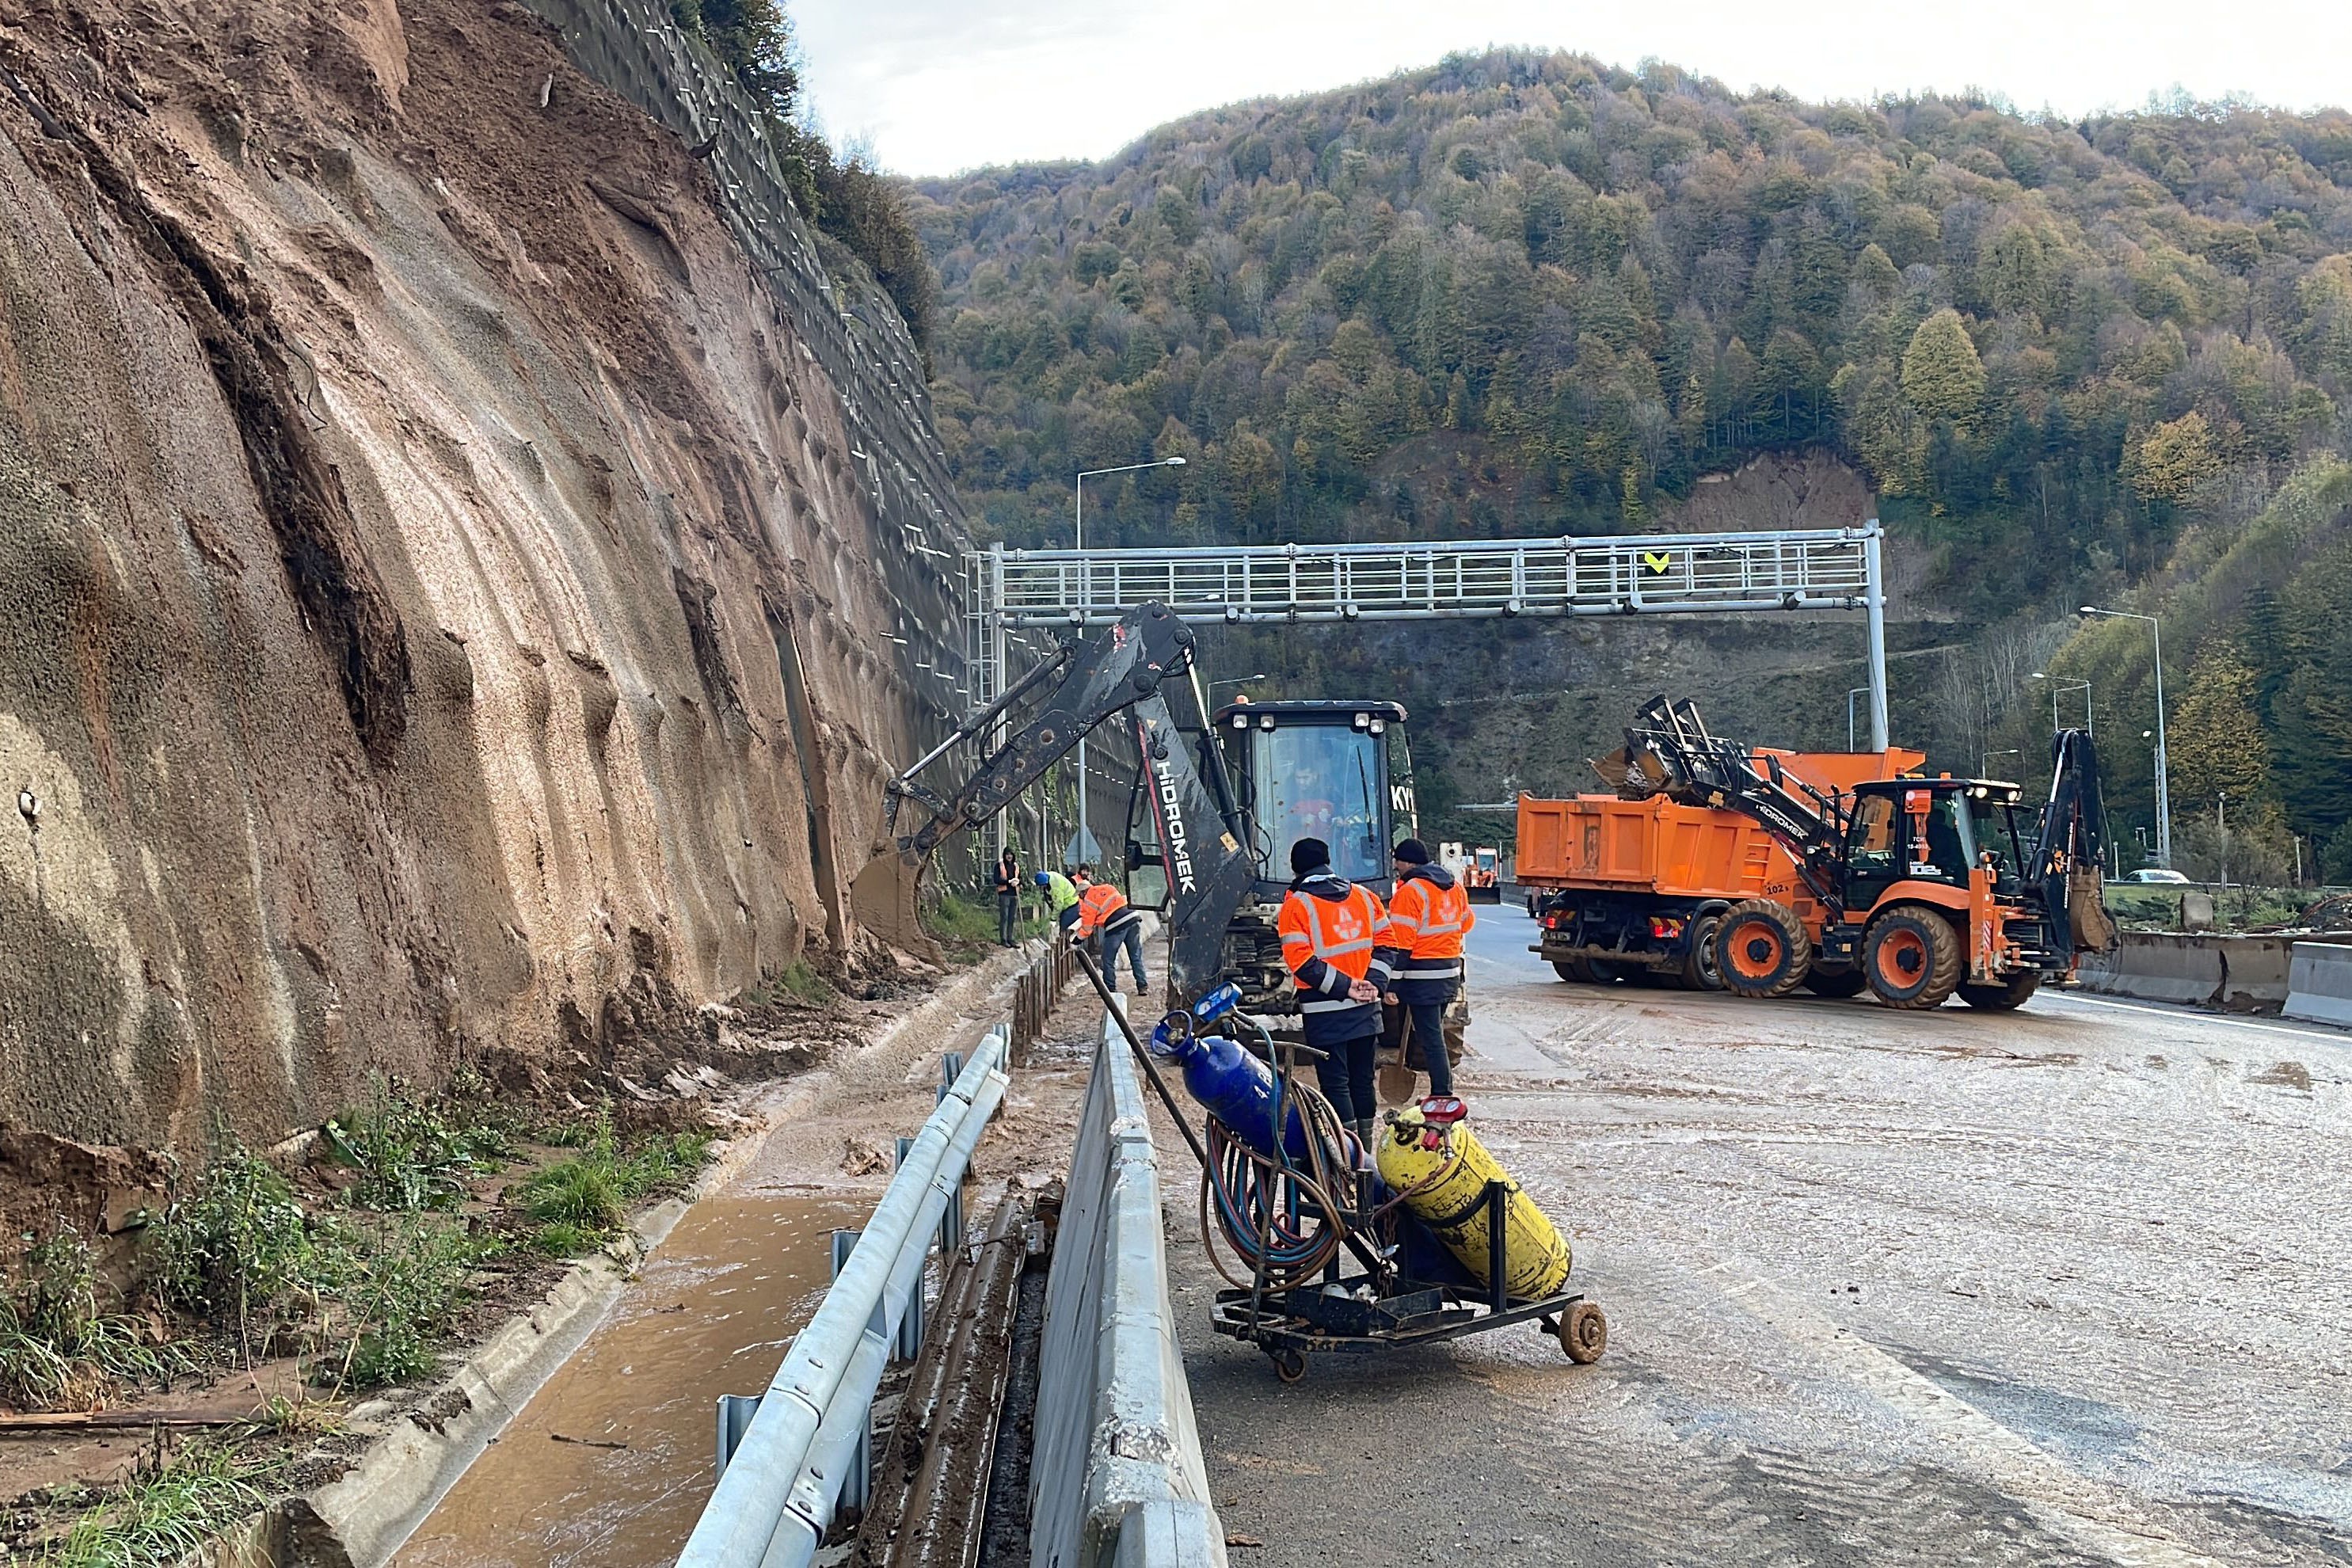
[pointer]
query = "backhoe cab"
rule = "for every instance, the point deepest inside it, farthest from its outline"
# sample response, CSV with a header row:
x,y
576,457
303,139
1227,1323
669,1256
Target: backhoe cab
x,y
1335,770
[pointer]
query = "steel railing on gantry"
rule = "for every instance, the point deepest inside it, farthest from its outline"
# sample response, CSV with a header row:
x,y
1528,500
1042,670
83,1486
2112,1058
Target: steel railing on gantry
x,y
1631,575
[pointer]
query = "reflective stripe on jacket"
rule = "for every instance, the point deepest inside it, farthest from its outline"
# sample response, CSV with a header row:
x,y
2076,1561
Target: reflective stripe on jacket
x,y
1331,935
1102,906
1427,917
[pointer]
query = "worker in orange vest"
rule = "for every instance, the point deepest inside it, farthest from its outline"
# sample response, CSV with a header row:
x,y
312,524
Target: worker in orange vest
x,y
1106,916
1428,915
1332,931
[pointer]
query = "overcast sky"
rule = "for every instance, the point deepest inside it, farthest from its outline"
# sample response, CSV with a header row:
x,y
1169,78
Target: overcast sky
x,y
938,86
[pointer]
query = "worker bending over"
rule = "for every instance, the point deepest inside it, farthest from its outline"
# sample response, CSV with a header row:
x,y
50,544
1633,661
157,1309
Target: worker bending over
x,y
1104,912
1331,934
1428,914
1061,897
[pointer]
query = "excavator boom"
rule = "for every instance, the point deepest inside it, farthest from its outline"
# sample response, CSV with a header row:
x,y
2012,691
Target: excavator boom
x,y
1121,671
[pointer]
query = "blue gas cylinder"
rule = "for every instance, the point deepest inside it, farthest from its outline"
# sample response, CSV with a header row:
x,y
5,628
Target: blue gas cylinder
x,y
1231,1084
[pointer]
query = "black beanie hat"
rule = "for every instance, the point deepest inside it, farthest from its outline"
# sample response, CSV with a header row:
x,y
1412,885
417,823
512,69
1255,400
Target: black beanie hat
x,y
1411,852
1308,855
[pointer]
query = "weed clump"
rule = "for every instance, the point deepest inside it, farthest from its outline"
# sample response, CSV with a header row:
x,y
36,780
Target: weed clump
x,y
57,1349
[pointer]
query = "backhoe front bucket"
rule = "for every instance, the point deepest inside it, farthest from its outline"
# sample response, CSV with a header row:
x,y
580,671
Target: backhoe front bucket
x,y
882,901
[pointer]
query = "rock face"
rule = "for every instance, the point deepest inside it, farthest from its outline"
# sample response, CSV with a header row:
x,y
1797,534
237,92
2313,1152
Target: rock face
x,y
439,612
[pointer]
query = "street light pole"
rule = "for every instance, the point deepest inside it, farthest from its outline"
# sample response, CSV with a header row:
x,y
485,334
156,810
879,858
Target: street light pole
x,y
2163,783
1850,696
1078,845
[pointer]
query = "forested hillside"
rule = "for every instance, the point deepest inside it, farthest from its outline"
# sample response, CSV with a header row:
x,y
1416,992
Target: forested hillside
x,y
2099,362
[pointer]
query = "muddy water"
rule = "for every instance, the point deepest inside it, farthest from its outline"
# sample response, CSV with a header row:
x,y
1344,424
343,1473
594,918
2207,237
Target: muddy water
x,y
610,1464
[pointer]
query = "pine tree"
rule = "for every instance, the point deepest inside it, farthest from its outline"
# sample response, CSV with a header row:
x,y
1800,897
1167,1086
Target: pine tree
x,y
2217,742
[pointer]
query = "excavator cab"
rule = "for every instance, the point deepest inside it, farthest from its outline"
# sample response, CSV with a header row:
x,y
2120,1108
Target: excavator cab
x,y
1316,770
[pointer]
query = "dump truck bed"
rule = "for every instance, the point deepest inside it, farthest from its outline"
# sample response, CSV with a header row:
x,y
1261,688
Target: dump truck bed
x,y
1680,851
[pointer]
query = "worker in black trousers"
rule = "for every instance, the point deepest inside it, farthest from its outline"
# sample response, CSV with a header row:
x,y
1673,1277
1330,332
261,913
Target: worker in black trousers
x,y
1428,914
1332,932
1008,896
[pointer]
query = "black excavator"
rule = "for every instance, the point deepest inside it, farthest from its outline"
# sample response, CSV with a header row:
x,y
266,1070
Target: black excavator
x,y
1922,887
1212,811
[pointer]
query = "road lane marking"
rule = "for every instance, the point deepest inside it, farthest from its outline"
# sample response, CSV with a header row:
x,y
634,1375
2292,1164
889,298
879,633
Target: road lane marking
x,y
2189,1016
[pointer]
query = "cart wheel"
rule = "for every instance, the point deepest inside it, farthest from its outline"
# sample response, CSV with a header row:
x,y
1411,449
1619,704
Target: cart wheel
x,y
1289,1365
1583,1333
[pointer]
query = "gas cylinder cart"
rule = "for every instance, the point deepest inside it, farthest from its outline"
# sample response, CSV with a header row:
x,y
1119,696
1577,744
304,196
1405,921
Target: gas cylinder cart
x,y
1423,1238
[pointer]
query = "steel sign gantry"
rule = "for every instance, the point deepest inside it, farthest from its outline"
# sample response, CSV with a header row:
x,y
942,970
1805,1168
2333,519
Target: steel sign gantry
x,y
1625,575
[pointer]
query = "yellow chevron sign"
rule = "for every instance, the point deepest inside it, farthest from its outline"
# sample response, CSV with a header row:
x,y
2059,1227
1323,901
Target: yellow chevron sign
x,y
1656,562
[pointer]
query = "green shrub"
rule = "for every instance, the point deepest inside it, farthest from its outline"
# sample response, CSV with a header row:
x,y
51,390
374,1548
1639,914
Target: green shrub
x,y
237,1245
562,1240
412,1279
410,1156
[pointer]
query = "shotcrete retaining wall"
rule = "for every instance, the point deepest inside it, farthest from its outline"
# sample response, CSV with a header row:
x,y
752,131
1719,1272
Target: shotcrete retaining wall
x,y
445,612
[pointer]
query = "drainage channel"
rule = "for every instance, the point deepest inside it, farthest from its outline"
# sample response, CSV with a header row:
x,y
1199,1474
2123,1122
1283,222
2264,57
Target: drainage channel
x,y
610,1461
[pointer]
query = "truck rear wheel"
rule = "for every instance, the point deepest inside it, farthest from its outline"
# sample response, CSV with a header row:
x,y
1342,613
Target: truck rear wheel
x,y
1837,982
2001,998
1761,949
1699,970
1911,956
1575,971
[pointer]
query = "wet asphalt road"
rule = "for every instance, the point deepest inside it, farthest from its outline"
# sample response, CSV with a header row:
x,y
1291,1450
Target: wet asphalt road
x,y
2071,1285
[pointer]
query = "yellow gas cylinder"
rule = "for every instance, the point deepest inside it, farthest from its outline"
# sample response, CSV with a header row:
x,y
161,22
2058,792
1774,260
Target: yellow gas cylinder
x,y
1445,1187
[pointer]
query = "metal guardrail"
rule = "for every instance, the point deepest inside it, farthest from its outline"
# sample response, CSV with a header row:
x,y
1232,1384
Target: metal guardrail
x,y
1116,1475
777,1493
1037,991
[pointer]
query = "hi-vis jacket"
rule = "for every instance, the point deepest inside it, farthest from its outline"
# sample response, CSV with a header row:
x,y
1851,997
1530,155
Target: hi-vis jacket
x,y
1332,932
1104,908
1427,916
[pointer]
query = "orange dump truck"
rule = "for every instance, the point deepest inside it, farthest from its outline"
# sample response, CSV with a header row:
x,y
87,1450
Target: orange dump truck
x,y
1623,888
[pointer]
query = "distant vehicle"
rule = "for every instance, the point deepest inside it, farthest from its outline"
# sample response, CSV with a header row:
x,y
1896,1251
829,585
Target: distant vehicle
x,y
2155,874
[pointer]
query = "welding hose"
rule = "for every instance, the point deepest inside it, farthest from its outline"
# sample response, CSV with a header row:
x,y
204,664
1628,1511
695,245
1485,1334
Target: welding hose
x,y
1246,1194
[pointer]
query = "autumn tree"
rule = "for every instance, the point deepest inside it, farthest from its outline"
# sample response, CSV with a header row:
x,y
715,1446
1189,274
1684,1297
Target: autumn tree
x,y
1942,376
2216,741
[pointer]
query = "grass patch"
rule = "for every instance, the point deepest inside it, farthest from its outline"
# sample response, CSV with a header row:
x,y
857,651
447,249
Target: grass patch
x,y
967,922
562,1240
588,1195
57,1351
172,1506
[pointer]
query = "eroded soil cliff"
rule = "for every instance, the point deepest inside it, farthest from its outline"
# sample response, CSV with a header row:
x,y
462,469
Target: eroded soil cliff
x,y
439,614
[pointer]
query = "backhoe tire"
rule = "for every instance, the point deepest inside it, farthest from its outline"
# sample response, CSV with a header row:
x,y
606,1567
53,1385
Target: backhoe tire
x,y
2001,998
1699,971
1913,957
1761,949
1837,983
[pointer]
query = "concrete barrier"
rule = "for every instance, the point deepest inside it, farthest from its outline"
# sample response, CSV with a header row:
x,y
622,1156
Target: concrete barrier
x,y
2319,984
2157,967
2241,974
1117,1479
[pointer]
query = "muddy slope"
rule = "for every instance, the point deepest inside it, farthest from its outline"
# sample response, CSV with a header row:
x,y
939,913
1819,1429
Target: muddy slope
x,y
438,616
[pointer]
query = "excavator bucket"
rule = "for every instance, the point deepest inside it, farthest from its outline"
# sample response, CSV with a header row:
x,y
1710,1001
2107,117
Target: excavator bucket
x,y
882,901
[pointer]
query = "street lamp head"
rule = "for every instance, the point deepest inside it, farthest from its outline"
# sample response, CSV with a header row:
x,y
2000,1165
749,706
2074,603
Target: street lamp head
x,y
2037,675
2090,609
1177,462
2148,734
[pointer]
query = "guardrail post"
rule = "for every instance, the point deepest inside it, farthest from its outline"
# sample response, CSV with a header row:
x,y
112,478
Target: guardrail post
x,y
951,1067
857,1486
735,1413
910,1327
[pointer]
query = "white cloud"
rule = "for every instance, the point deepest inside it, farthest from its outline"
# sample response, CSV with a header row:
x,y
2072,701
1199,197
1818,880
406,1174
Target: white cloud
x,y
940,87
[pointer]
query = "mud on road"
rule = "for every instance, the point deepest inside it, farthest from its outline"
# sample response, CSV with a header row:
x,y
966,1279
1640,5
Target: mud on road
x,y
2065,1286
